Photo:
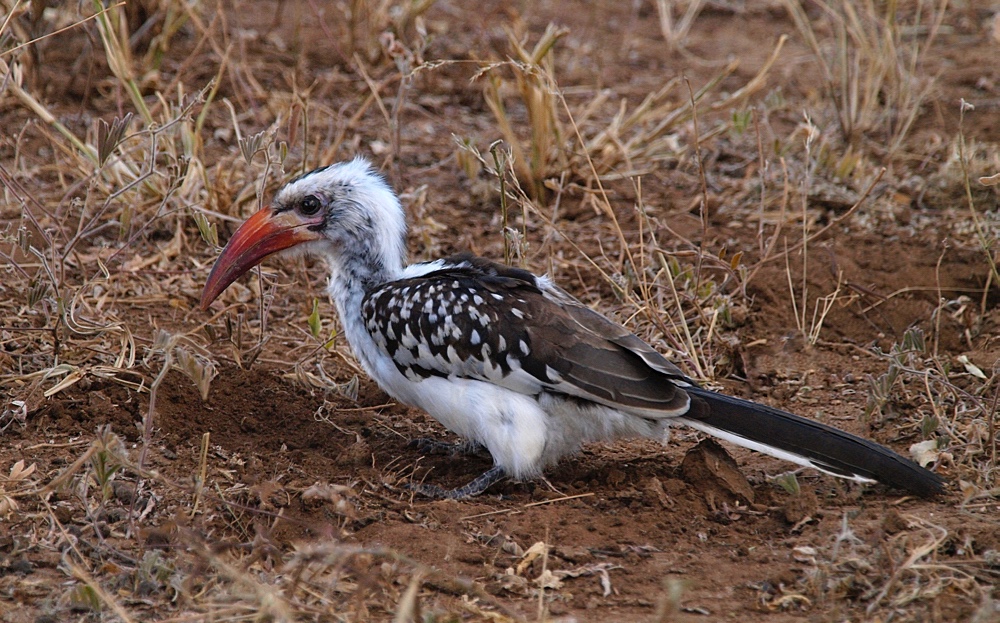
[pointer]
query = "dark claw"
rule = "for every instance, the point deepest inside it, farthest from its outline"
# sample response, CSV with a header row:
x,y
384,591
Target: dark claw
x,y
474,488
427,445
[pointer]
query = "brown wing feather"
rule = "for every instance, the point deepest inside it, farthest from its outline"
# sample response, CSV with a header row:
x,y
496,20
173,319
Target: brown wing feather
x,y
602,359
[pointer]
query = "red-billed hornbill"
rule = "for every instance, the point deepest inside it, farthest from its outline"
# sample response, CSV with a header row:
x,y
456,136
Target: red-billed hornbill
x,y
506,359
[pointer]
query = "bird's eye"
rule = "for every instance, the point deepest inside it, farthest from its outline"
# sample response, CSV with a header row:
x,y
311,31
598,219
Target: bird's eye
x,y
310,205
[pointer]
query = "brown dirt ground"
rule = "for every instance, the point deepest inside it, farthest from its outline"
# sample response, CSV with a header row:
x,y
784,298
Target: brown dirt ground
x,y
630,532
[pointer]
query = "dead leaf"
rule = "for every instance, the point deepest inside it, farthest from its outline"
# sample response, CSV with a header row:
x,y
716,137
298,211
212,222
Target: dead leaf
x,y
533,552
925,452
971,368
548,580
19,472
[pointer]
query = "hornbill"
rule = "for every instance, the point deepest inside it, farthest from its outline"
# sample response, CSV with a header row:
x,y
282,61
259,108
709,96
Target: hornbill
x,y
507,359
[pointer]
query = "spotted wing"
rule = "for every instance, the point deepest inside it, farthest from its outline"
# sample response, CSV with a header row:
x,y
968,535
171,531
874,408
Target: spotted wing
x,y
468,317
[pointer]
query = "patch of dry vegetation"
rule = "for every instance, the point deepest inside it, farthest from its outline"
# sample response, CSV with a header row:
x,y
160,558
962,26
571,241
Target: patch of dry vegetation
x,y
872,64
111,218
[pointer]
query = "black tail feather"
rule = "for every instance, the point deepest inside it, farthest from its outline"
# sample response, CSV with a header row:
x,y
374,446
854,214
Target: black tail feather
x,y
826,448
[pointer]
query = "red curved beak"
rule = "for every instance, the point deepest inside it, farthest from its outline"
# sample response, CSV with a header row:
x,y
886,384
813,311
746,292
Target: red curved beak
x,y
259,236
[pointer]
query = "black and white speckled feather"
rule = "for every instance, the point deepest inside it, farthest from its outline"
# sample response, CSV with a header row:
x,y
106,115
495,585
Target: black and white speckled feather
x,y
474,319
508,360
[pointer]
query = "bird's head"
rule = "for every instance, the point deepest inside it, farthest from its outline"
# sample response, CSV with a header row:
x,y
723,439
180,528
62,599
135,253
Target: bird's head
x,y
344,213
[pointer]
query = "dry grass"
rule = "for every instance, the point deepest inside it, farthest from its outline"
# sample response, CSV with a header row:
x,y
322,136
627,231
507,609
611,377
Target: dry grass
x,y
873,63
598,140
676,30
111,220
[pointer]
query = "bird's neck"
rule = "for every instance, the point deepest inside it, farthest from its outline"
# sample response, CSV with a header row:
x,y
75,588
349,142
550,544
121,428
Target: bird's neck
x,y
351,278
367,253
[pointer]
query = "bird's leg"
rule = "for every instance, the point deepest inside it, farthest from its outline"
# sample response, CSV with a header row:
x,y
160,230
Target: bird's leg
x,y
466,447
474,488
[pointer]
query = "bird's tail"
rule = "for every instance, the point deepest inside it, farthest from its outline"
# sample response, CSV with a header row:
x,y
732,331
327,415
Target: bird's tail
x,y
805,442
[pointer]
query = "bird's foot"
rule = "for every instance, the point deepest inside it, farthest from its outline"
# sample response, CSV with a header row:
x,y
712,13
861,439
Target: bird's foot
x,y
474,488
427,445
